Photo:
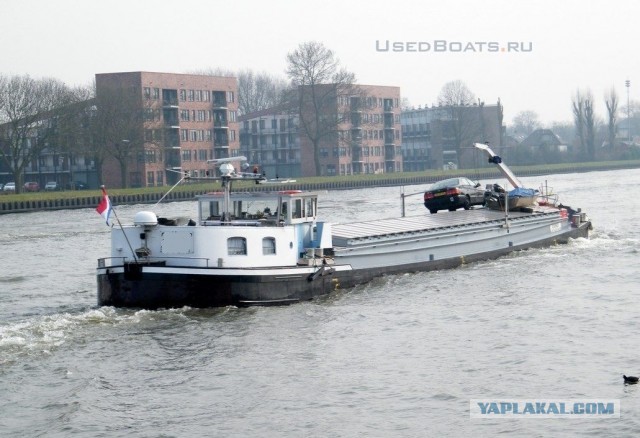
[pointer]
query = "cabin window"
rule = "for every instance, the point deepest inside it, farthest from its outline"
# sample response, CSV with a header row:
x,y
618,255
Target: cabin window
x,y
237,246
268,246
297,209
210,210
309,207
283,209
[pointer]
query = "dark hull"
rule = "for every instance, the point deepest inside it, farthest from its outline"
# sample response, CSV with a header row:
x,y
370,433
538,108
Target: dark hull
x,y
139,287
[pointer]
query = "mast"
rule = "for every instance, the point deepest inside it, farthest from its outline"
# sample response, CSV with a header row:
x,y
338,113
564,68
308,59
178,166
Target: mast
x,y
227,175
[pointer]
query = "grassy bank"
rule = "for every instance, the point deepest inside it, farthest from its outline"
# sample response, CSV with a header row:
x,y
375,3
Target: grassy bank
x,y
369,179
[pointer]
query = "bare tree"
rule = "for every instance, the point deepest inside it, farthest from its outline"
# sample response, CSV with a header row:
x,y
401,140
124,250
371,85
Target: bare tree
x,y
29,111
577,106
405,104
500,121
256,91
590,126
611,101
456,97
259,91
116,128
320,81
525,122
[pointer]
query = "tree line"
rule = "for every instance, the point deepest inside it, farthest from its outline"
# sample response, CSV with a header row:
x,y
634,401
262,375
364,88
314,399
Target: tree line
x,y
46,115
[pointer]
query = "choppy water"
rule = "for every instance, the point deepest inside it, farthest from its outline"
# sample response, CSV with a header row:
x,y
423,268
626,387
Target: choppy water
x,y
400,356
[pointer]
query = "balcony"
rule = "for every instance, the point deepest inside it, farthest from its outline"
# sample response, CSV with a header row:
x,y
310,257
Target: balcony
x,y
169,98
221,142
170,118
172,159
219,100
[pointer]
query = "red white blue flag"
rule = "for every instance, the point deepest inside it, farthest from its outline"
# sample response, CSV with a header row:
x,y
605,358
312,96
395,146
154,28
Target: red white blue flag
x,y
104,208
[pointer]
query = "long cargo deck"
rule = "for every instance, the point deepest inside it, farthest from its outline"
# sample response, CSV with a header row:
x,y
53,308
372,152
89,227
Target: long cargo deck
x,y
355,233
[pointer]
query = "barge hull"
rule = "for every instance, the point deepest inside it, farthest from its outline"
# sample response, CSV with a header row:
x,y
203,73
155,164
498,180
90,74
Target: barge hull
x,y
150,287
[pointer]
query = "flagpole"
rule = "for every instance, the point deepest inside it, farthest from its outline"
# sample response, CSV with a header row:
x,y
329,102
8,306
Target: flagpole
x,y
121,227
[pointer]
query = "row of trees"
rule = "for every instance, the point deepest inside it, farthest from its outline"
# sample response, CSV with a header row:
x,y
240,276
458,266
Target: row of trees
x,y
37,115
41,115
591,137
45,116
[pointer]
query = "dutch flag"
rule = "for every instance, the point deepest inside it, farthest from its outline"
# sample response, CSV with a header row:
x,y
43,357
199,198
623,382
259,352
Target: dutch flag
x,y
104,208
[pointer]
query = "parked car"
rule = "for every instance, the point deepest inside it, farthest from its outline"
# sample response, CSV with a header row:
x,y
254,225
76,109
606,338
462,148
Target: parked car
x,y
31,186
9,187
51,185
453,193
77,185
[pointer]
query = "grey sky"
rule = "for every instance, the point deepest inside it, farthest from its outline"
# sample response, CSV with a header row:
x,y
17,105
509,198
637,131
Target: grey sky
x,y
575,44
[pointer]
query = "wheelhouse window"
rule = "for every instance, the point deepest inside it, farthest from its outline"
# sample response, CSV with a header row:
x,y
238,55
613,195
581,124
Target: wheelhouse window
x,y
210,210
297,209
268,246
237,246
310,207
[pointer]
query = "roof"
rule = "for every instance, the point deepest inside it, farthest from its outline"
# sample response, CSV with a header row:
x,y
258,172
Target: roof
x,y
541,137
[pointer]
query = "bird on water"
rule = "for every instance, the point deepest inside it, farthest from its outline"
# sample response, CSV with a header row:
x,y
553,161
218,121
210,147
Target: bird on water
x,y
630,379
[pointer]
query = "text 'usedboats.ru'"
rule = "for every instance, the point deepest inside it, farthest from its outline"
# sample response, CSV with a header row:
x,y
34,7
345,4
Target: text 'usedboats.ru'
x,y
269,248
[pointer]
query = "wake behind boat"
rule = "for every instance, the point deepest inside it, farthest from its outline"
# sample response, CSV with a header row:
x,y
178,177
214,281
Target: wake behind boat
x,y
266,248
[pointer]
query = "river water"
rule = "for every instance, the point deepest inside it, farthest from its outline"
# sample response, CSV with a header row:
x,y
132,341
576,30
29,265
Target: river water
x,y
401,356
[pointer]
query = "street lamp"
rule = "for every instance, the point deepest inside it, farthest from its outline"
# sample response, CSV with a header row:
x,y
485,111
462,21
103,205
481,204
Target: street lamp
x,y
627,83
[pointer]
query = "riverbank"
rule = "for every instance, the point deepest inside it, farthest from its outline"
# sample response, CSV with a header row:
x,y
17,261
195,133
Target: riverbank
x,y
42,201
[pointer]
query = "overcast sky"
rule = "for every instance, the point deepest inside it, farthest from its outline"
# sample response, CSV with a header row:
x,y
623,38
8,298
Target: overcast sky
x,y
562,45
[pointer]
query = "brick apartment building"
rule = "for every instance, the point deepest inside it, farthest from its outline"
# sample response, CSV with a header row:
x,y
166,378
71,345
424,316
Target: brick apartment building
x,y
188,119
367,138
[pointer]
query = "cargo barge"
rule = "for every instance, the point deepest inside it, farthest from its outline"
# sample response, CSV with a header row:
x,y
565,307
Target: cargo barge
x,y
270,248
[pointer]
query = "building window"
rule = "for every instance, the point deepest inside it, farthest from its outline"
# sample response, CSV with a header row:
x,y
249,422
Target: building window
x,y
150,156
150,178
186,155
269,246
183,95
184,115
237,246
202,155
233,117
232,135
230,96
193,136
190,95
160,177
202,114
156,93
147,93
